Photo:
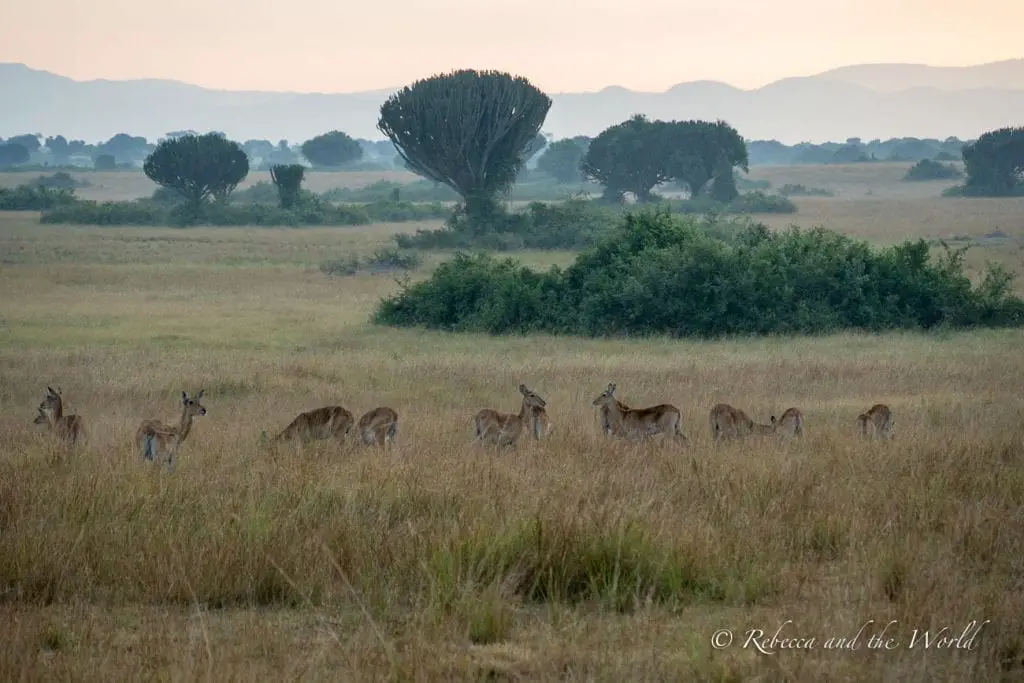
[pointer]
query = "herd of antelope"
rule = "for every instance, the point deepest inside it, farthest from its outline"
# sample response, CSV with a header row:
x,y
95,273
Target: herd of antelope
x,y
156,439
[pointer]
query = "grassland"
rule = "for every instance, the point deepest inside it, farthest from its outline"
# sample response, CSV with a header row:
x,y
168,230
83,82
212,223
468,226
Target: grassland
x,y
570,559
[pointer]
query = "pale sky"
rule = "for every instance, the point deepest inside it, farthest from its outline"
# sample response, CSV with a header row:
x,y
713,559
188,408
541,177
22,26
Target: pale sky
x,y
560,45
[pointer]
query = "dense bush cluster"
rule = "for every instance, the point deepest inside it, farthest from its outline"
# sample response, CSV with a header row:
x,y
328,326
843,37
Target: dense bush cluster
x,y
571,224
926,169
35,197
688,277
157,212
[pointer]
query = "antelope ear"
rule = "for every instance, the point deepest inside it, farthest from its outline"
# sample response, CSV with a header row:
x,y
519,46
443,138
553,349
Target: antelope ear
x,y
184,397
201,392
50,389
611,387
523,390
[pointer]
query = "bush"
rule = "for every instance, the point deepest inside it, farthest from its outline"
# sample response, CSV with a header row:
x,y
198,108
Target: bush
x,y
59,181
660,274
926,169
791,190
34,197
539,187
105,162
572,224
384,260
747,203
168,210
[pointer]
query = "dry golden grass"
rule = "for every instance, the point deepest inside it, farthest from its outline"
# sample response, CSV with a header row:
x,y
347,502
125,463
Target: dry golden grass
x,y
880,180
572,559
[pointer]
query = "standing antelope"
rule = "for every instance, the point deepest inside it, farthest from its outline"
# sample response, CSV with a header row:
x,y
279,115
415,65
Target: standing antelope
x,y
329,422
154,437
792,421
68,428
637,423
379,426
729,422
505,428
879,417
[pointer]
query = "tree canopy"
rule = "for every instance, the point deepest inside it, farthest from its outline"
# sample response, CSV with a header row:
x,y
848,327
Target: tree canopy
x,y
198,166
561,159
995,163
332,150
638,154
467,129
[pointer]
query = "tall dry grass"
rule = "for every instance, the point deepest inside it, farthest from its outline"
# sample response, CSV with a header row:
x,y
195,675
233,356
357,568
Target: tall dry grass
x,y
576,558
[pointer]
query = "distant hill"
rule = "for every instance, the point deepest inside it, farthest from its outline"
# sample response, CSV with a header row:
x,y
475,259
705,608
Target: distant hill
x,y
867,101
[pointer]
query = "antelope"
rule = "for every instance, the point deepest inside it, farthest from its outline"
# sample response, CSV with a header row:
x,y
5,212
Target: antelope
x,y
378,426
604,413
153,437
505,428
633,423
68,428
542,425
329,422
880,417
791,421
727,422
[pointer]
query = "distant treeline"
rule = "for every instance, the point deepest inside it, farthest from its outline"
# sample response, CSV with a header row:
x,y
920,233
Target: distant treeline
x,y
337,151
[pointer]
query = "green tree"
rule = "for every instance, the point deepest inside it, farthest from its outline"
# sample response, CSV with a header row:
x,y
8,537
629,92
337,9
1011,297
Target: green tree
x,y
198,166
59,148
699,150
104,162
561,160
12,153
995,163
629,157
29,141
469,130
723,186
288,180
332,150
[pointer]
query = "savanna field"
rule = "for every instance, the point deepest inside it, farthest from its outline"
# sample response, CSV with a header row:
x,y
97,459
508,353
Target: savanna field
x,y
572,558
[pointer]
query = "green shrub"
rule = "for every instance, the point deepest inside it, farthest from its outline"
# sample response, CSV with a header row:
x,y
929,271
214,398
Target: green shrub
x,y
572,224
89,212
926,169
791,190
166,209
683,277
35,197
60,180
747,203
383,260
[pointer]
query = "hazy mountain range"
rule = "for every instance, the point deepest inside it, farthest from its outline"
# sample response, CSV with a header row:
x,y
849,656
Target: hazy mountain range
x,y
867,101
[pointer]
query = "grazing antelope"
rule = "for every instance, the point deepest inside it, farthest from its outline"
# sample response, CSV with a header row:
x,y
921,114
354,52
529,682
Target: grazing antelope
x,y
729,422
879,417
792,421
542,424
379,426
505,428
68,428
607,426
329,422
637,423
154,438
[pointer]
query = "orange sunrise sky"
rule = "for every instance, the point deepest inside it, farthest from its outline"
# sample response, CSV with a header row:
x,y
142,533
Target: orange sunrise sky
x,y
561,45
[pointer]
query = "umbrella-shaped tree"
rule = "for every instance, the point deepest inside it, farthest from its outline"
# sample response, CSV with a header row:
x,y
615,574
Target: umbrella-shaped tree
x,y
470,130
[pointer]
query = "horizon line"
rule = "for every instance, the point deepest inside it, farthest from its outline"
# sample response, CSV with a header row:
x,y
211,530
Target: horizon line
x,y
610,86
